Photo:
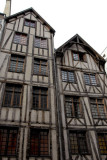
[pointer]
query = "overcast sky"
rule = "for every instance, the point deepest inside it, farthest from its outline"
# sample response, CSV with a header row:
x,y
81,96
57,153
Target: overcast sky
x,y
88,18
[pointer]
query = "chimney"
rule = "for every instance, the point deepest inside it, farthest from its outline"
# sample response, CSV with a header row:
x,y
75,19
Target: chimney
x,y
7,9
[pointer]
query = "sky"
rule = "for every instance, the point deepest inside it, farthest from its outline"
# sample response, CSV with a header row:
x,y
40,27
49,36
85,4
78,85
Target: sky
x,y
88,18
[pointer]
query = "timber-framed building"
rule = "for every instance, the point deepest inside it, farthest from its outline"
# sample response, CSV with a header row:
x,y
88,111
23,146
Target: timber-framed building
x,y
27,91
82,101
53,106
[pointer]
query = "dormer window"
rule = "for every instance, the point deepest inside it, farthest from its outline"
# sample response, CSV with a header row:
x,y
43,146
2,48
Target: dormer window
x,y
30,23
79,56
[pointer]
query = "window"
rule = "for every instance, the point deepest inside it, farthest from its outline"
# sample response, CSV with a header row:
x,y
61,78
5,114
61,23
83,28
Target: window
x,y
79,56
30,23
73,107
13,95
20,38
102,139
78,143
90,79
40,42
68,76
40,98
98,108
8,141
17,64
39,142
40,67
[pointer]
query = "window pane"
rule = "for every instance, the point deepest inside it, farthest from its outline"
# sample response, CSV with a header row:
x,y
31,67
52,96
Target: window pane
x,y
43,70
23,39
87,79
7,99
12,66
44,143
29,23
93,80
82,143
3,139
71,77
37,42
102,139
20,67
101,111
74,143
43,43
44,102
32,24
17,38
76,56
64,76
68,107
94,111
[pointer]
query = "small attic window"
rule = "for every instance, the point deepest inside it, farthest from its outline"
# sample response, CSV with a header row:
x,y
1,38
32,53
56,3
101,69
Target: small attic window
x,y
78,56
30,23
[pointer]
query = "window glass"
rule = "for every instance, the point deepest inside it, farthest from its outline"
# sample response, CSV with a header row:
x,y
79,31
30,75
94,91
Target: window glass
x,y
90,79
97,107
40,67
20,38
12,96
30,23
39,142
17,64
68,76
40,42
78,143
102,139
73,107
40,98
8,141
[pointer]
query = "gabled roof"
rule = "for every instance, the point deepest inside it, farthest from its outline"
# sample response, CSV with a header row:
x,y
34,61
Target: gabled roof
x,y
78,40
30,10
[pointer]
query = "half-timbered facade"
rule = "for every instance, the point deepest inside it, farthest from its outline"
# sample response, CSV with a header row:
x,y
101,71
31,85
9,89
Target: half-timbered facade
x,y
27,91
81,90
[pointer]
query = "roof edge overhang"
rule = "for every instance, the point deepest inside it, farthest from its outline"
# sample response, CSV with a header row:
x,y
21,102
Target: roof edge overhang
x,y
85,44
29,10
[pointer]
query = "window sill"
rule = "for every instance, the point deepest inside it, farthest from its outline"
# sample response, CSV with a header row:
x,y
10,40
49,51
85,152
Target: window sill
x,y
100,118
16,72
11,107
20,43
81,154
46,156
40,75
70,82
1,155
76,117
93,85
40,109
41,47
